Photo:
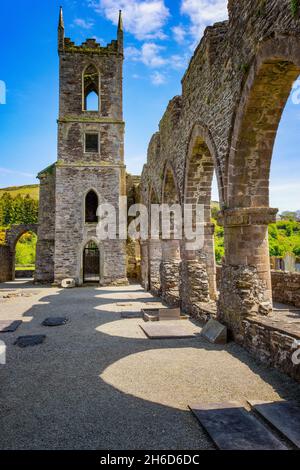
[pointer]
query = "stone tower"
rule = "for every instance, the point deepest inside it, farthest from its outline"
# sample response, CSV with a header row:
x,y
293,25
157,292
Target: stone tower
x,y
90,167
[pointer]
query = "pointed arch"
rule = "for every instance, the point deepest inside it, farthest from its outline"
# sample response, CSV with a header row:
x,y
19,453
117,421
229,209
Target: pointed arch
x,y
170,191
91,89
265,93
91,207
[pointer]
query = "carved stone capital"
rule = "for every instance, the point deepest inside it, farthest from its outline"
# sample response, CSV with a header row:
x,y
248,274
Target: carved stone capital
x,y
244,216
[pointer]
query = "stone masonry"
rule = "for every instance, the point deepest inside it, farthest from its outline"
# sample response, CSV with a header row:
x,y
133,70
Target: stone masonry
x,y
90,160
226,119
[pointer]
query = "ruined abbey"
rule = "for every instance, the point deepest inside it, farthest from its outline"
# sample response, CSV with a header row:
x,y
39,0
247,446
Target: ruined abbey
x,y
226,119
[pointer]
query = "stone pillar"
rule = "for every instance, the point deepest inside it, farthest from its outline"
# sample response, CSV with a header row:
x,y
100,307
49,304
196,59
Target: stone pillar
x,y
246,277
170,272
194,281
155,259
209,252
145,278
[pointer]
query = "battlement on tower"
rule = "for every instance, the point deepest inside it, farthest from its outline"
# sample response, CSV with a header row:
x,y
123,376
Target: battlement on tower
x,y
91,46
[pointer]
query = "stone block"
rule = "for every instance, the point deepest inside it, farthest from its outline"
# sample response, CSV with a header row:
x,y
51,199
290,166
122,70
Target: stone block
x,y
169,314
68,284
215,332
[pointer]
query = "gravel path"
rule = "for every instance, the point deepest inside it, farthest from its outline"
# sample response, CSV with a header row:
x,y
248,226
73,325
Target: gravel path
x,y
99,383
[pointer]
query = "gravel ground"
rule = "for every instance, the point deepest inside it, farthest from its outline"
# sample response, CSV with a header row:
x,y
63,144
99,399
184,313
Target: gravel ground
x,y
99,383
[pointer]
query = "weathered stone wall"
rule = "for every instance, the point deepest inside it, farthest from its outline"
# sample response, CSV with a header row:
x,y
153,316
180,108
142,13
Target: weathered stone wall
x,y
286,287
233,94
44,269
5,264
270,345
64,232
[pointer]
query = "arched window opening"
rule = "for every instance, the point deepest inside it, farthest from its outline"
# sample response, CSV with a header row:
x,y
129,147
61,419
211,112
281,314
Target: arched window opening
x,y
91,89
91,206
92,102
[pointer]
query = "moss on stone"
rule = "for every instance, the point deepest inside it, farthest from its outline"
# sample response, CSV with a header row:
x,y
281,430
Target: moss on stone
x,y
295,7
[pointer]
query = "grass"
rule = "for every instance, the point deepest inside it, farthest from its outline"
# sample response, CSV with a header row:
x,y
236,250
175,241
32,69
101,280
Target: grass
x,y
25,268
32,190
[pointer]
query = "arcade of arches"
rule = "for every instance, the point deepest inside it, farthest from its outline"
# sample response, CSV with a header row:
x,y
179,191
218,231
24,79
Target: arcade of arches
x,y
226,120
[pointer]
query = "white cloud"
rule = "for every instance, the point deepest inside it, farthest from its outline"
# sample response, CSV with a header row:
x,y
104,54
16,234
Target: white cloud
x,y
144,19
203,13
158,78
83,23
149,54
179,34
7,171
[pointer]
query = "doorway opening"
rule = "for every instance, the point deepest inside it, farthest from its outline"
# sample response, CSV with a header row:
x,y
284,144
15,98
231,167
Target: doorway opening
x,y
91,263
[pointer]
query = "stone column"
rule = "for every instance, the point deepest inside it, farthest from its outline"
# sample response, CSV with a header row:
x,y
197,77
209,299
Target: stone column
x,y
170,272
145,265
246,277
155,258
209,252
194,282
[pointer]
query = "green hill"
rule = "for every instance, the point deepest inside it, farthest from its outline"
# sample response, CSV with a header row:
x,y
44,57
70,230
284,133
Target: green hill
x,y
32,190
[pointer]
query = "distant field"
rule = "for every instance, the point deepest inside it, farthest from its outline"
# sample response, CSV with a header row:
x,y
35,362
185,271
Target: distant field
x,y
32,190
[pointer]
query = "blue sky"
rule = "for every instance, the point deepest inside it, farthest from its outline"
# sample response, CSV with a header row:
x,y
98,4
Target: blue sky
x,y
160,37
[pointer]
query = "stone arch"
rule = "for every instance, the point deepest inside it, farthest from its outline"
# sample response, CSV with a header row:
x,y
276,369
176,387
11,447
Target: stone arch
x,y
265,92
201,157
198,273
16,231
170,189
246,279
91,204
12,237
90,84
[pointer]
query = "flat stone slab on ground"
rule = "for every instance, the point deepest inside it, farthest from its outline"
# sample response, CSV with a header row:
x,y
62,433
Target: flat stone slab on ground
x,y
25,341
9,326
130,315
215,332
162,314
55,321
169,314
166,331
231,427
284,416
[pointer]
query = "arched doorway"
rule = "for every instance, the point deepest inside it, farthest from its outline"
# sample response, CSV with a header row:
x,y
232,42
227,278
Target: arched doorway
x,y
91,263
25,255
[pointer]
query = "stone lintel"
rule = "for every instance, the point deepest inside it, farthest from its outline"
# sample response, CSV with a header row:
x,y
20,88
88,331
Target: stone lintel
x,y
243,216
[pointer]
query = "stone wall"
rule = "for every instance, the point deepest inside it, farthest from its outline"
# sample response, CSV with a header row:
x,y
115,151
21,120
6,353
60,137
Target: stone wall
x,y
5,264
271,345
46,232
226,118
286,287
64,230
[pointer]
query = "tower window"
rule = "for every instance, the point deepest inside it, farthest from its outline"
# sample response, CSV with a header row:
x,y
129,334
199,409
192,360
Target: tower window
x,y
91,207
92,143
91,89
